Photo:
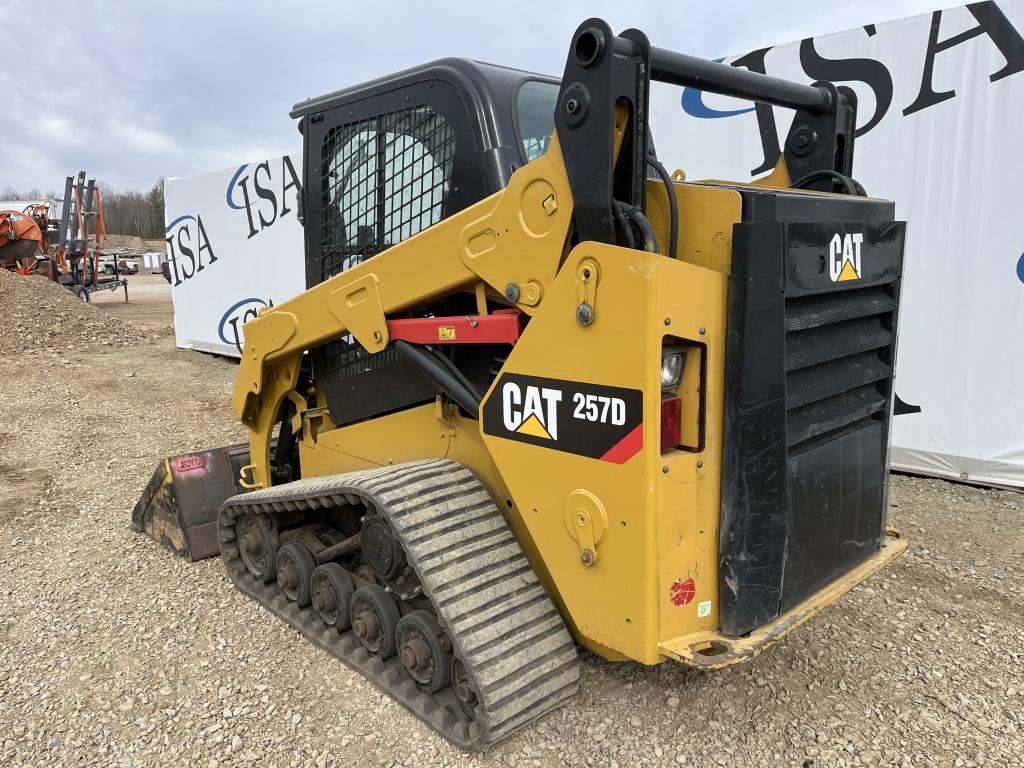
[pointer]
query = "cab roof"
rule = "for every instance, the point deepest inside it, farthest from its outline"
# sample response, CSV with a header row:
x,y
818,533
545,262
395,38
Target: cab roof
x,y
484,84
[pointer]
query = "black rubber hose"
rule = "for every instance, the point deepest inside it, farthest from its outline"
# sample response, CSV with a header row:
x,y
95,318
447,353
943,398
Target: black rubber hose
x,y
440,376
622,216
852,186
447,363
285,444
650,238
673,204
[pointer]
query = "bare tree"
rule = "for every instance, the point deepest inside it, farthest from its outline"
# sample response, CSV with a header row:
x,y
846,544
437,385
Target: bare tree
x,y
128,212
10,193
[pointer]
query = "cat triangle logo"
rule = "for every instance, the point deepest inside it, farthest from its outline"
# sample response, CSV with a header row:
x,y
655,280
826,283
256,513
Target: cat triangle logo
x,y
532,426
848,273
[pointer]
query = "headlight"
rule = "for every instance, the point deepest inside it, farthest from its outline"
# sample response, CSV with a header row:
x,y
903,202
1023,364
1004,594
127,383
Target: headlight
x,y
671,369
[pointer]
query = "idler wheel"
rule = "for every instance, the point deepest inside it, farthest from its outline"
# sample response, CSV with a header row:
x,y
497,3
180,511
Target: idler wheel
x,y
381,549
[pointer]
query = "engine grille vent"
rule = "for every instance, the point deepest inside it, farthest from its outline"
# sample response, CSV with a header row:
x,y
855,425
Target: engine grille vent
x,y
839,353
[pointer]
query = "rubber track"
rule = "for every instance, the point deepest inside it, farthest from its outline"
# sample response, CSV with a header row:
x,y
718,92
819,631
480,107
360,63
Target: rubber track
x,y
518,653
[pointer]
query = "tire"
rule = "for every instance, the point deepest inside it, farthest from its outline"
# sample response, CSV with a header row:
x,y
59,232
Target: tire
x,y
81,293
332,581
373,600
295,584
108,270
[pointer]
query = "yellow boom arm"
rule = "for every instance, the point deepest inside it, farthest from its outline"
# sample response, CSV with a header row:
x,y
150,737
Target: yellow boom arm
x,y
516,236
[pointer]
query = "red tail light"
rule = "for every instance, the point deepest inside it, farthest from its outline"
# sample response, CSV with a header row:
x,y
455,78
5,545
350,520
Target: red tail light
x,y
671,420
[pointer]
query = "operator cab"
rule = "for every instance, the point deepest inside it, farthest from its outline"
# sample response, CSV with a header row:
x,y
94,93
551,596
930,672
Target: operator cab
x,y
385,160
400,153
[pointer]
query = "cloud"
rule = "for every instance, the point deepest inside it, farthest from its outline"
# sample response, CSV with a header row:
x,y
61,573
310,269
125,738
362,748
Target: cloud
x,y
171,89
135,138
54,129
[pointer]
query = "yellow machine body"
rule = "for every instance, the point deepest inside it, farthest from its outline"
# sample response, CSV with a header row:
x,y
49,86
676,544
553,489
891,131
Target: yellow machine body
x,y
628,550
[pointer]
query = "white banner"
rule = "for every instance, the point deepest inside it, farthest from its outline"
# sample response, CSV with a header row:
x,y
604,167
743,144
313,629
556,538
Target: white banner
x,y
940,105
235,245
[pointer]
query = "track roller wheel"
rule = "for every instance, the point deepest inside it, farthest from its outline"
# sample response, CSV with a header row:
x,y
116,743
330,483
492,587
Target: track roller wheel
x,y
294,571
463,688
258,545
425,650
375,620
331,592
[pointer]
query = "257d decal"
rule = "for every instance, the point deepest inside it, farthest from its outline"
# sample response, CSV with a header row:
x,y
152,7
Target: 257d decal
x,y
586,419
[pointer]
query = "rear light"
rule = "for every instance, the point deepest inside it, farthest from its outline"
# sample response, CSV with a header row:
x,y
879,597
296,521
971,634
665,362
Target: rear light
x,y
671,368
671,421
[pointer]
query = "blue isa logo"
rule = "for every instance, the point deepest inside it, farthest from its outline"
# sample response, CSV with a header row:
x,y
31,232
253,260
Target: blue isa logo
x,y
262,191
238,314
1020,268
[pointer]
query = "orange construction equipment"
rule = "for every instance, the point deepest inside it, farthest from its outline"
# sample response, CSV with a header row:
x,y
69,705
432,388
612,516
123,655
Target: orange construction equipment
x,y
20,240
65,250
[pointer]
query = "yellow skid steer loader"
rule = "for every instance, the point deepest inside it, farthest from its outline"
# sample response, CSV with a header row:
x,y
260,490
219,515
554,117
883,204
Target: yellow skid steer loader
x,y
541,393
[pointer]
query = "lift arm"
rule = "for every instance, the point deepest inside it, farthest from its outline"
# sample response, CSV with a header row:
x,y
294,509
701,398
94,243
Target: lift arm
x,y
513,238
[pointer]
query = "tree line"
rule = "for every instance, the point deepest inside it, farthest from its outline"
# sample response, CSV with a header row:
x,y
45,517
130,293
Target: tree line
x,y
127,212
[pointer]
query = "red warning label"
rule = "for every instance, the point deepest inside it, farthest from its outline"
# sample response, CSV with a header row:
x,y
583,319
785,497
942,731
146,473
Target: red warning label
x,y
682,592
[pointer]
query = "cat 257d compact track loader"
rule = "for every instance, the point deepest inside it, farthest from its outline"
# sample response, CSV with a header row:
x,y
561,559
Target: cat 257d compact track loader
x,y
539,392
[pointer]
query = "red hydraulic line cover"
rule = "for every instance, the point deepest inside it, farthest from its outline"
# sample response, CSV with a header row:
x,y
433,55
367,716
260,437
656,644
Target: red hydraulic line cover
x,y
501,327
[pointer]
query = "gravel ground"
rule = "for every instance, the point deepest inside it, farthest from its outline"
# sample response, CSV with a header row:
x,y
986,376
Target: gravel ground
x,y
149,304
113,652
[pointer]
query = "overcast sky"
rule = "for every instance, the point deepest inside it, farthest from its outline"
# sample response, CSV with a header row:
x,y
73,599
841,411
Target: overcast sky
x,y
134,90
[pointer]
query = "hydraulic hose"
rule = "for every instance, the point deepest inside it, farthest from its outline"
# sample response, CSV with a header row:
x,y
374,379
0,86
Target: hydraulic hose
x,y
442,378
673,204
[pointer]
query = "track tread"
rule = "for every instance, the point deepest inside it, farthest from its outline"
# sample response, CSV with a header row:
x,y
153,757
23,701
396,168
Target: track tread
x,y
516,648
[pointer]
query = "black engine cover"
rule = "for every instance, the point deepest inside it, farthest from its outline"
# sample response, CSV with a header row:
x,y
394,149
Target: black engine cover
x,y
813,303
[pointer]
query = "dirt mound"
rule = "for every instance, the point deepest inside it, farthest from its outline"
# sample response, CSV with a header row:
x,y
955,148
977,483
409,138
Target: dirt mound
x,y
39,315
133,242
123,241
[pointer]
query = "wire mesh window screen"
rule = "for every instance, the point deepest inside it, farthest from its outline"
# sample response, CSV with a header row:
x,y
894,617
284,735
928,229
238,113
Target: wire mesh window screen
x,y
384,179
